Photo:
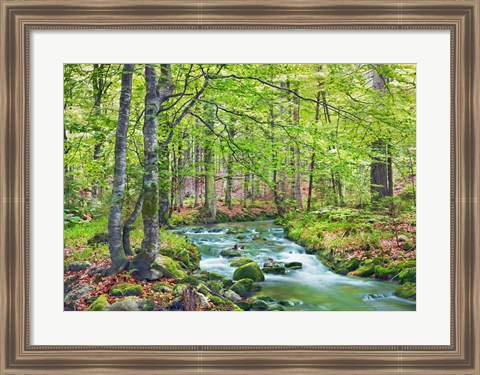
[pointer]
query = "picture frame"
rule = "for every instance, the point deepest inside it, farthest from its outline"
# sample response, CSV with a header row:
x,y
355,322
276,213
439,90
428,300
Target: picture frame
x,y
20,17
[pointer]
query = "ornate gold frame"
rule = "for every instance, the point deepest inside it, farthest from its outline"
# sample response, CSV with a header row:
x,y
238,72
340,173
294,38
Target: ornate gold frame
x,y
18,17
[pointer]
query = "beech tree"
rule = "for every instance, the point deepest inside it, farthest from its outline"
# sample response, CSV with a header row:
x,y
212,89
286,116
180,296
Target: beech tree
x,y
117,254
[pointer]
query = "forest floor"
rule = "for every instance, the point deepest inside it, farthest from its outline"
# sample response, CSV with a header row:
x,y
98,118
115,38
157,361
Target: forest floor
x,y
357,242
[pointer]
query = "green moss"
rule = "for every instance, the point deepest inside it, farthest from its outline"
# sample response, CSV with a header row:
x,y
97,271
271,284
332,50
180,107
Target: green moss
x,y
230,253
365,270
222,304
276,308
408,275
190,280
249,271
385,272
407,290
126,289
100,304
352,264
168,267
180,249
161,287
241,261
242,287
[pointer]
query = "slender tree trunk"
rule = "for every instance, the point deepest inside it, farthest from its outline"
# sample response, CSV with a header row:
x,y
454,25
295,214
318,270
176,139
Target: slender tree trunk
x,y
379,170
210,206
312,157
196,181
164,187
117,254
127,227
390,172
229,187
155,96
98,87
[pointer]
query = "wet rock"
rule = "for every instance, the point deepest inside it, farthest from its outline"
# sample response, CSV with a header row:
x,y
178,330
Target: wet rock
x,y
294,265
241,261
249,271
276,308
230,253
242,287
259,305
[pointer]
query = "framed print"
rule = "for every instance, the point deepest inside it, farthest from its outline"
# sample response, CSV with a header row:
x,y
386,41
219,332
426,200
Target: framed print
x,y
320,115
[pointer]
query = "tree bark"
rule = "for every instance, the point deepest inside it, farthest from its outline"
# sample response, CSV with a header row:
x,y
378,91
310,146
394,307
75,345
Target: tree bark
x,y
378,171
127,227
117,254
210,206
155,95
196,182
164,187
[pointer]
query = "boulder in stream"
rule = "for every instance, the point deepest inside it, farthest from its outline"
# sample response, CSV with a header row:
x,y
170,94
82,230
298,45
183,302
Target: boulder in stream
x,y
249,271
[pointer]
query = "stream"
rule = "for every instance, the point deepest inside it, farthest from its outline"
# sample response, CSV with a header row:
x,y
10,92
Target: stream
x,y
312,288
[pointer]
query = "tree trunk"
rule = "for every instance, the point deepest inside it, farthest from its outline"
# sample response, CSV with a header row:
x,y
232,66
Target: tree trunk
x,y
154,97
210,206
312,157
379,172
229,187
127,227
117,254
196,182
164,187
98,87
390,172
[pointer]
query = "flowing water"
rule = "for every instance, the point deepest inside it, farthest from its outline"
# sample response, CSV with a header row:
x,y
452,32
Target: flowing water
x,y
314,287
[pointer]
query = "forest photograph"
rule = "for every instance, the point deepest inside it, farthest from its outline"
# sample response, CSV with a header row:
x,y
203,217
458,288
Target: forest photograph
x,y
239,187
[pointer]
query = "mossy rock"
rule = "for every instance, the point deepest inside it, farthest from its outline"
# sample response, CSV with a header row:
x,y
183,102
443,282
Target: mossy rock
x,y
232,296
276,308
380,261
385,272
187,255
161,287
131,304
259,305
294,265
213,276
216,285
408,291
241,261
256,287
76,294
241,237
77,266
365,270
126,289
69,283
277,270
222,304
249,271
408,275
230,253
244,305
408,246
168,267
352,264
190,280
341,271
242,287
100,304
